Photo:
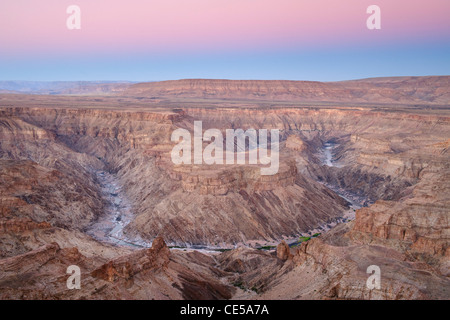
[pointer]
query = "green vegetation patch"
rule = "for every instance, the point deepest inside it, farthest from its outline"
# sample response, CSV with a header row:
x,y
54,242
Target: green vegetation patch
x,y
239,284
266,248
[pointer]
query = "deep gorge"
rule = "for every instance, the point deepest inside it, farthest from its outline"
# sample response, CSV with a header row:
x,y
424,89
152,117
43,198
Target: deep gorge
x,y
89,181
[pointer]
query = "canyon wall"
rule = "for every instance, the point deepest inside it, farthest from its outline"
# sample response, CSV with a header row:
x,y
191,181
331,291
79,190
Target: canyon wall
x,y
173,200
396,157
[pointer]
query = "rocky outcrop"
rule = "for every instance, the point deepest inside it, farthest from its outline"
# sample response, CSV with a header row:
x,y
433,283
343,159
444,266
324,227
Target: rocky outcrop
x,y
145,274
219,180
417,225
126,267
283,251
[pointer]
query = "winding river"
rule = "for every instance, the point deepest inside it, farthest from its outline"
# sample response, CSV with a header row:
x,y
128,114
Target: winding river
x,y
118,209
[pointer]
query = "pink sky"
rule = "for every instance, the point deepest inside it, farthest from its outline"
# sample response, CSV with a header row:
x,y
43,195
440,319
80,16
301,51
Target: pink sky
x,y
39,27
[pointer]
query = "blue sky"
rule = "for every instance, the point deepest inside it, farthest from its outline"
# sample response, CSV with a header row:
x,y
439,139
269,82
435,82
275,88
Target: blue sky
x,y
318,65
138,40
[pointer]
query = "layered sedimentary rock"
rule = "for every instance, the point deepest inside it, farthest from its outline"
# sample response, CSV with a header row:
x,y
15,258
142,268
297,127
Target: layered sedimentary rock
x,y
144,274
394,156
138,147
419,224
401,89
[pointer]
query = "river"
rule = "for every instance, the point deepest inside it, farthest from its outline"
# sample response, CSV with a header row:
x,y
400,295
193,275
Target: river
x,y
118,214
118,210
327,154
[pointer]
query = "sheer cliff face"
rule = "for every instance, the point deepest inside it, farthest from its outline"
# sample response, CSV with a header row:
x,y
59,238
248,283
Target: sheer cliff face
x,y
397,159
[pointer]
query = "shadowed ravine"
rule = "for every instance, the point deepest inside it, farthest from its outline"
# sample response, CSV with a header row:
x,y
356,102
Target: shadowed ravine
x,y
326,156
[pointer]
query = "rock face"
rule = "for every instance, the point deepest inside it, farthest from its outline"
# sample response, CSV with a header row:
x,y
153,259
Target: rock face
x,y
126,267
419,224
341,273
40,193
143,274
395,157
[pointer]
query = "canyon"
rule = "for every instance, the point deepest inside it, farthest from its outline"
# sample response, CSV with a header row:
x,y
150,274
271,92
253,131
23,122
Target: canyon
x,y
363,179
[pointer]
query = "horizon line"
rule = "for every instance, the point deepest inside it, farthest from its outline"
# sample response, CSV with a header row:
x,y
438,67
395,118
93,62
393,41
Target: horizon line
x,y
227,79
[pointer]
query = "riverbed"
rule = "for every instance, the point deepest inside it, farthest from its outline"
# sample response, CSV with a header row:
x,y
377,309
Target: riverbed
x,y
118,213
327,154
109,227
